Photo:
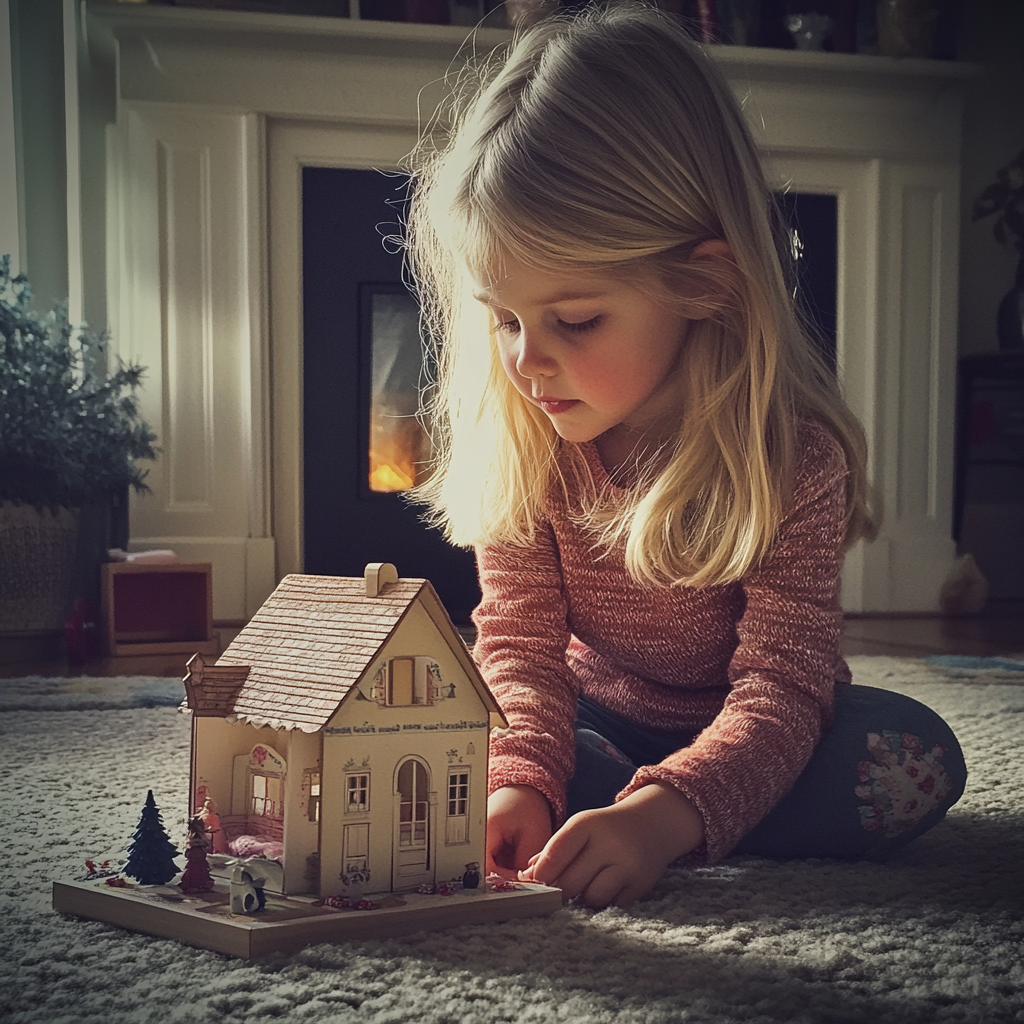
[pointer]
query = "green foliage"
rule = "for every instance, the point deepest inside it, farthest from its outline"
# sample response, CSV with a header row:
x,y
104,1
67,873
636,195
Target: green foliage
x,y
1005,196
70,430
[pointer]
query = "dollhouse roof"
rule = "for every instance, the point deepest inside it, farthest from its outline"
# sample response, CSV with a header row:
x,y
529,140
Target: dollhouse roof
x,y
312,641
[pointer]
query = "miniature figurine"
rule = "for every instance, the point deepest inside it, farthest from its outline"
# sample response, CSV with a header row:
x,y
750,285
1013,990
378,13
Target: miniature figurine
x,y
211,822
355,881
471,879
151,853
196,877
246,894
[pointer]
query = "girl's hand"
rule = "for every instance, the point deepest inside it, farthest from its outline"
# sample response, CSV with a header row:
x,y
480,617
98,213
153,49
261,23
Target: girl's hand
x,y
518,826
614,855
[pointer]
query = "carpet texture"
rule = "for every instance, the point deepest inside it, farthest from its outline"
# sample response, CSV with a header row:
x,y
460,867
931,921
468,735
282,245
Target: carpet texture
x,y
932,935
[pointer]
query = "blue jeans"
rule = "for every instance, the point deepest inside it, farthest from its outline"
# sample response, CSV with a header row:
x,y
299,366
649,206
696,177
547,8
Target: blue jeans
x,y
886,771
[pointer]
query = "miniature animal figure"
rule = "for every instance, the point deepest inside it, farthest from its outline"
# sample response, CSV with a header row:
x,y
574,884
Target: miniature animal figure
x,y
245,893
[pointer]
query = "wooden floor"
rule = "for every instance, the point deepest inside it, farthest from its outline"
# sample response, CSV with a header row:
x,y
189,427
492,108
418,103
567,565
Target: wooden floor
x,y
998,631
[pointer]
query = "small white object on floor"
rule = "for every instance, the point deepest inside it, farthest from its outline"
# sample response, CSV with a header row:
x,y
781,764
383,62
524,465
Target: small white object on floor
x,y
965,589
158,556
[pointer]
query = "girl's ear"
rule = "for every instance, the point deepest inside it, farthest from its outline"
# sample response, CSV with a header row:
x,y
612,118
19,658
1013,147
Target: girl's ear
x,y
711,248
708,281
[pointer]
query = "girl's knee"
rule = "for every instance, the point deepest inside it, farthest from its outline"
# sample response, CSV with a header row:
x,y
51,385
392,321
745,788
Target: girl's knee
x,y
887,770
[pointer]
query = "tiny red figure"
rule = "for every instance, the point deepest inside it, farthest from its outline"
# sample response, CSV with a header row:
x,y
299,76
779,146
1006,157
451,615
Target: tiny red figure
x,y
81,633
196,877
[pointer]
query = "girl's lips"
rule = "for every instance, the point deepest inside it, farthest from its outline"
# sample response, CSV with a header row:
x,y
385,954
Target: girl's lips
x,y
557,405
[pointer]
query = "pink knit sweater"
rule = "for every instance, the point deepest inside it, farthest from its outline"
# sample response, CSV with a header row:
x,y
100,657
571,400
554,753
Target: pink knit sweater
x,y
750,666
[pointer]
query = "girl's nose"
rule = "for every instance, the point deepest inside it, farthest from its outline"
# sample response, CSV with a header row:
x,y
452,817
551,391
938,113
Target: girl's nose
x,y
533,360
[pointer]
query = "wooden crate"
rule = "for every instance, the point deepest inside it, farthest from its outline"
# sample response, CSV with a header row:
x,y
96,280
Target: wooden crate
x,y
158,609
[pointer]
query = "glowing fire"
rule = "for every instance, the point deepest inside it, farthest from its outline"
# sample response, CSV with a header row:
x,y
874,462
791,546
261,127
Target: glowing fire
x,y
386,477
398,449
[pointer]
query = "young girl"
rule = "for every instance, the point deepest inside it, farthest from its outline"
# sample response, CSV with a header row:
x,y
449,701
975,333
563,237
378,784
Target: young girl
x,y
659,476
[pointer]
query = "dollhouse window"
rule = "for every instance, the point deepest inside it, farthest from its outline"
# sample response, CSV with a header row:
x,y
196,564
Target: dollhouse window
x,y
408,681
357,848
311,784
457,823
266,796
357,793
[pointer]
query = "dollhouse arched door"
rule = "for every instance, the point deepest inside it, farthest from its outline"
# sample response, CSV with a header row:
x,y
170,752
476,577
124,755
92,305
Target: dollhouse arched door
x,y
412,861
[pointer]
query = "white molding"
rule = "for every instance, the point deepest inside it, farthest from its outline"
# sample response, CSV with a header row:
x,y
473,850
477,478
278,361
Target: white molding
x,y
292,146
72,151
10,201
192,310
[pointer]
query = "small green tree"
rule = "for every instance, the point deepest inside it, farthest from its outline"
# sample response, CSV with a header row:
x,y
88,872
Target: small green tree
x,y
151,854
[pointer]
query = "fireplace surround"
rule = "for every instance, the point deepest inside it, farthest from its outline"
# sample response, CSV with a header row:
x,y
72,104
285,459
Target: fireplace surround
x,y
217,114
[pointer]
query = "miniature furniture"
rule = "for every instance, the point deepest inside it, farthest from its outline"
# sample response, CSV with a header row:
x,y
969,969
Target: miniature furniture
x,y
158,609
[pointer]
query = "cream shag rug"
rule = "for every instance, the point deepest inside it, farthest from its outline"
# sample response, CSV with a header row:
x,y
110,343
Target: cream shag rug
x,y
932,935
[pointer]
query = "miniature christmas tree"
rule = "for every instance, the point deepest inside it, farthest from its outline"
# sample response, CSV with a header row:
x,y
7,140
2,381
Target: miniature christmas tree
x,y
151,854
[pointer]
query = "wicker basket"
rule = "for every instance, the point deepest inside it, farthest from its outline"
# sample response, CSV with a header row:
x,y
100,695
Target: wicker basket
x,y
37,565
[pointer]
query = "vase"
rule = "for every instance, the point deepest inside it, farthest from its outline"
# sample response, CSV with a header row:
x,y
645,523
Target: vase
x,y
37,570
1010,317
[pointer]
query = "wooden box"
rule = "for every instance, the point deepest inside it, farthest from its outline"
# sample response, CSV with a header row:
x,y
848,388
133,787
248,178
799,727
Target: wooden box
x,y
158,609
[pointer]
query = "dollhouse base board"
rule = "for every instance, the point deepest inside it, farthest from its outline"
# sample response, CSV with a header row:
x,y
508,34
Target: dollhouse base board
x,y
288,924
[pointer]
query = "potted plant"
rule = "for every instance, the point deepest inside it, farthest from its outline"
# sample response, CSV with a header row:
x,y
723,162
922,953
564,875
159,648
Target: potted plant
x,y
1005,197
70,439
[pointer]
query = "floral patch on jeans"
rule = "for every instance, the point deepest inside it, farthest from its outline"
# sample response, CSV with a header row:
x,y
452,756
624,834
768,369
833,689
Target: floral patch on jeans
x,y
901,784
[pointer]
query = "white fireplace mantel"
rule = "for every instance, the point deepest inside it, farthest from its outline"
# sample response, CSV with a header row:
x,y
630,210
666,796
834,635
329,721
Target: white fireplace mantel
x,y
216,114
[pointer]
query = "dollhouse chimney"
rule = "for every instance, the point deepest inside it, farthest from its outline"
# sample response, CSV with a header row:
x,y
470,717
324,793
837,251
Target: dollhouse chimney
x,y
210,690
378,575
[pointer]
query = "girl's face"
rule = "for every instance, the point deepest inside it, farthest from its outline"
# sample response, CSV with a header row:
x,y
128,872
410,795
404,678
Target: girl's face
x,y
591,351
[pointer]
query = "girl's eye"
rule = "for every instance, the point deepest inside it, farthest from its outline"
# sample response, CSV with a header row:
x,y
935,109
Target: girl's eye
x,y
507,326
580,325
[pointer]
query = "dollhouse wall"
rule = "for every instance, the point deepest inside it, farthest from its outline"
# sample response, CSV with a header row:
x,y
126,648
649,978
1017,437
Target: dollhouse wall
x,y
220,752
364,738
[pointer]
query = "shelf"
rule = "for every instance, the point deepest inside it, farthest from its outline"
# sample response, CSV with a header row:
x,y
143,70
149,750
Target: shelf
x,y
319,31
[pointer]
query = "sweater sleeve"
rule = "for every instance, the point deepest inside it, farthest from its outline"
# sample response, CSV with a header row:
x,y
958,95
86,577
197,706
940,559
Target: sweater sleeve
x,y
783,671
522,637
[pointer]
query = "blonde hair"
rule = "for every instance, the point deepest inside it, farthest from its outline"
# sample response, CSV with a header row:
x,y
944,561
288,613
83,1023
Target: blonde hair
x,y
610,143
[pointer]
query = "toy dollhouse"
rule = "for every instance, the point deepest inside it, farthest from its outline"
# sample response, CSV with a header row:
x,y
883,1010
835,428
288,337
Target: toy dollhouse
x,y
343,733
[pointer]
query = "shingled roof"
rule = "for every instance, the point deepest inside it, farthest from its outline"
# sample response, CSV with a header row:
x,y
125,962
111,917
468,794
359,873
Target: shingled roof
x,y
314,638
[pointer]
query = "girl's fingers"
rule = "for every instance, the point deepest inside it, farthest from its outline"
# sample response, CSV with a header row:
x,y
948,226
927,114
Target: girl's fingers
x,y
561,850
607,888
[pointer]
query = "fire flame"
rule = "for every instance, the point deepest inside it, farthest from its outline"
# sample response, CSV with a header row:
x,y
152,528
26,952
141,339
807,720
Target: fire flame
x,y
387,477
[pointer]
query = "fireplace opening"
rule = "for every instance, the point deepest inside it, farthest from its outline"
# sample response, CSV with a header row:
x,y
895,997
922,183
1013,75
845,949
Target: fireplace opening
x,y
396,448
363,367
